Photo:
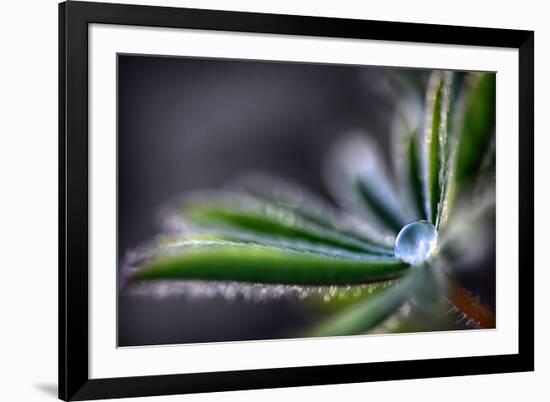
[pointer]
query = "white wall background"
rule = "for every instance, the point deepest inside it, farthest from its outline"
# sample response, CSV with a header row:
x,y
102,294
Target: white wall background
x,y
28,198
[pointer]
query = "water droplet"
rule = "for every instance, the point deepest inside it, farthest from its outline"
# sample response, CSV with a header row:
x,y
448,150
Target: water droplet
x,y
416,242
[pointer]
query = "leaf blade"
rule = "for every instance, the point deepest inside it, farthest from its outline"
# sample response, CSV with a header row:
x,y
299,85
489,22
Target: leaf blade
x,y
366,314
359,179
247,262
414,179
269,220
406,131
305,205
435,140
472,148
477,127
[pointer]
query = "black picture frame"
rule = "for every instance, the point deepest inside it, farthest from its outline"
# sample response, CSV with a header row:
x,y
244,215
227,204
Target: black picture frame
x,y
74,381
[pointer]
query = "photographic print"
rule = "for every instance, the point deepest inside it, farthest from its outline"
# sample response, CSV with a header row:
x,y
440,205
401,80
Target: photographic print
x,y
254,200
269,200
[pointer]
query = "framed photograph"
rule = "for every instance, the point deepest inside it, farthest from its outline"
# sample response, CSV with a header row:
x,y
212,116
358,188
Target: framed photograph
x,y
256,200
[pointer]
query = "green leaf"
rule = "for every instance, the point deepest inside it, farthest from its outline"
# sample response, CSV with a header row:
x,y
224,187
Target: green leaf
x,y
366,314
472,152
376,203
360,181
477,125
336,298
408,82
406,128
307,207
249,262
422,316
287,195
488,161
273,222
473,225
414,178
434,147
428,307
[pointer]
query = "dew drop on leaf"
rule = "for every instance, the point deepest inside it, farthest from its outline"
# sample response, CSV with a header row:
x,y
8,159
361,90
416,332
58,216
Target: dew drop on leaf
x,y
416,242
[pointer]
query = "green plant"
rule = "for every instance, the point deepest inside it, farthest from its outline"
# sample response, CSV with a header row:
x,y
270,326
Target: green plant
x,y
394,248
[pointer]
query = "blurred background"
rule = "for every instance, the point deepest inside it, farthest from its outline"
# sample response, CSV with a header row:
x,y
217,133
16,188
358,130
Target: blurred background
x,y
188,124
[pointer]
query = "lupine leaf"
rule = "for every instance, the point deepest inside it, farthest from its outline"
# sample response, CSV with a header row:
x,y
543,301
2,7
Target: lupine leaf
x,y
306,206
406,127
435,141
472,223
358,178
287,195
453,86
472,148
425,315
377,204
428,307
488,161
414,179
334,299
477,126
366,314
277,223
248,262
